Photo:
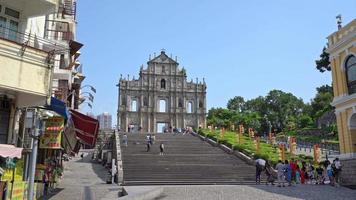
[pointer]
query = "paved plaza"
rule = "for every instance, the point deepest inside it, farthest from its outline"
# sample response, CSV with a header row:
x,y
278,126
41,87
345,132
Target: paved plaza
x,y
84,180
245,192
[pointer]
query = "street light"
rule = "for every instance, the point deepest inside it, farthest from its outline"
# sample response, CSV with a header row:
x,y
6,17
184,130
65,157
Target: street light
x,y
90,95
90,98
91,87
88,104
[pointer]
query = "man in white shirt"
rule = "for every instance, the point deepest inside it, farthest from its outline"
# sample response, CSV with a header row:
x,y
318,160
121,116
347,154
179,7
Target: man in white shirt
x,y
260,166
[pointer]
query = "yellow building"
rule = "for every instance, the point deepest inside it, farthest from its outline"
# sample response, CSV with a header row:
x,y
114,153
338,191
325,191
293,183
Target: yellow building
x,y
342,50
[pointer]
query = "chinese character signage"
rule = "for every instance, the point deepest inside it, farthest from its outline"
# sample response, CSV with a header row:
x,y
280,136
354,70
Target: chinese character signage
x,y
51,139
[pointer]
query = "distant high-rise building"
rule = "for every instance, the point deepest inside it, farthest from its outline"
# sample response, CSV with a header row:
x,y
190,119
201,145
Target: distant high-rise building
x,y
105,120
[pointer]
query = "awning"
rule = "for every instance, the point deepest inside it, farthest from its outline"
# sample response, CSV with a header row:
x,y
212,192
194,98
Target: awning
x,y
59,107
74,46
7,150
86,128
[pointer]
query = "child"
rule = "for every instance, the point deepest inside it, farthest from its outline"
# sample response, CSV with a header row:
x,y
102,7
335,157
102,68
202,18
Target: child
x,y
297,175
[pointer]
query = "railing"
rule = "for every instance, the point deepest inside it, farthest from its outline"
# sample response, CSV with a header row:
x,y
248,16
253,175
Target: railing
x,y
30,40
58,30
68,8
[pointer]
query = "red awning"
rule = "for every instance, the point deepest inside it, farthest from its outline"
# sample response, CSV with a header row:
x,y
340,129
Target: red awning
x,y
7,150
86,128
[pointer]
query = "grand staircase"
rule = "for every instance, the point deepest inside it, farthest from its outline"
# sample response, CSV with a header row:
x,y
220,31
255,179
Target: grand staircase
x,y
187,160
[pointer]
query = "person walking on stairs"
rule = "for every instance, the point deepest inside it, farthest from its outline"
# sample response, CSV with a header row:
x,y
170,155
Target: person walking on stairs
x,y
148,142
124,139
161,149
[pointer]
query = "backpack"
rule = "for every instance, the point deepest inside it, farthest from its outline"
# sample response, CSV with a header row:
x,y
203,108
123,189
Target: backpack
x,y
333,167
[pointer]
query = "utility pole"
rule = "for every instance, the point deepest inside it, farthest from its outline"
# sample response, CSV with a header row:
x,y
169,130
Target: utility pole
x,y
35,134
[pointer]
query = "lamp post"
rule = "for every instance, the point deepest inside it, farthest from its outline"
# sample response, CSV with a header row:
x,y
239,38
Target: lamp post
x,y
37,130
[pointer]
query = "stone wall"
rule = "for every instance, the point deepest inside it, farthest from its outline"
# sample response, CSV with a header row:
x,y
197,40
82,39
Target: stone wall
x,y
348,174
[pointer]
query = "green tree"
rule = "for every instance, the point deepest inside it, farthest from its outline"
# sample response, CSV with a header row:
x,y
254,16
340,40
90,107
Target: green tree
x,y
237,103
305,121
323,64
321,103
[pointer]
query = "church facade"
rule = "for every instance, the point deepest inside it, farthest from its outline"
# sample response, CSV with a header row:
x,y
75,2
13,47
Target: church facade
x,y
342,50
161,99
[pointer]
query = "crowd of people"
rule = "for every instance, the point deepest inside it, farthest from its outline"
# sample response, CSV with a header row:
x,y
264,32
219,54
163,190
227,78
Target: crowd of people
x,y
294,172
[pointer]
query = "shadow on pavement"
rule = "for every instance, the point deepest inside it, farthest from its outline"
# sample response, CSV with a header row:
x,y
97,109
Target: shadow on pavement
x,y
53,193
309,191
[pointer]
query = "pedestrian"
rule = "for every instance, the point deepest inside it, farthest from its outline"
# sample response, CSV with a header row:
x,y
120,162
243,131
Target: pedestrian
x,y
124,139
319,171
161,149
280,173
337,170
310,173
293,166
270,173
150,139
148,146
288,172
297,175
329,172
148,142
260,166
303,173
153,138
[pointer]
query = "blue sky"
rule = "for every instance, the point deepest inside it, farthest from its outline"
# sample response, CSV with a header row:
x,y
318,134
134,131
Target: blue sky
x,y
244,48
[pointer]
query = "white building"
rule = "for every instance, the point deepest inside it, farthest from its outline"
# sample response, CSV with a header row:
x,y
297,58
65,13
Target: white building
x,y
105,120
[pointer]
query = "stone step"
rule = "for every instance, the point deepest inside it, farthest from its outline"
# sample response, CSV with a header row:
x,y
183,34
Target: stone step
x,y
187,159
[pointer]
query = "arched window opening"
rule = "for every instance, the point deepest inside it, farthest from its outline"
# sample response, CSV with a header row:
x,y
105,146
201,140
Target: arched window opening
x,y
350,66
163,84
201,104
145,101
134,105
163,69
180,102
162,105
190,107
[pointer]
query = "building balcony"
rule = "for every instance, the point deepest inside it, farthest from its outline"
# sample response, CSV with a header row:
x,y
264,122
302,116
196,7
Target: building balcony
x,y
25,64
31,8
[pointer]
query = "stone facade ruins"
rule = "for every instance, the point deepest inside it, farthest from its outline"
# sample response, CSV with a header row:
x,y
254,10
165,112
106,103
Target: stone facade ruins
x,y
161,99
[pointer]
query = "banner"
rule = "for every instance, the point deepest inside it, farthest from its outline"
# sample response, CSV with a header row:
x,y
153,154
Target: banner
x,y
51,139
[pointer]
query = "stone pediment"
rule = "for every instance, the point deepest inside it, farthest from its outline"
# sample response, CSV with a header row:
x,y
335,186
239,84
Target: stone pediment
x,y
162,58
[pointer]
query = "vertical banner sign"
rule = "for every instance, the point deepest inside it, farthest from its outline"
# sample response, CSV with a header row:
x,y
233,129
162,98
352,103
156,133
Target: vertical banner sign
x,y
222,132
270,137
241,129
316,153
258,144
51,139
282,152
237,138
